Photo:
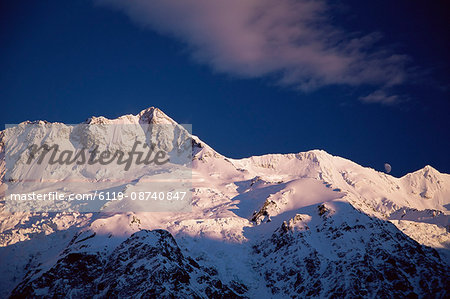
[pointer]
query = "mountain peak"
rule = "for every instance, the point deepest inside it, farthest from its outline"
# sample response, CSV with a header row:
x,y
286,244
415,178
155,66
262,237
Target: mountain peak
x,y
427,172
151,115
430,169
154,115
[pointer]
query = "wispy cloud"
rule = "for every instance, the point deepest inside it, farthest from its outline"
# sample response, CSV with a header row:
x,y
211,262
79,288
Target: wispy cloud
x,y
292,40
380,96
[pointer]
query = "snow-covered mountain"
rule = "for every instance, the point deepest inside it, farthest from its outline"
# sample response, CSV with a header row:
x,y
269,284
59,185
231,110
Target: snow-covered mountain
x,y
300,225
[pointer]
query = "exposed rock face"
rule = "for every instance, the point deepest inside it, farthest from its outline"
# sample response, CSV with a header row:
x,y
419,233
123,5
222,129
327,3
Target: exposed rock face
x,y
354,257
147,264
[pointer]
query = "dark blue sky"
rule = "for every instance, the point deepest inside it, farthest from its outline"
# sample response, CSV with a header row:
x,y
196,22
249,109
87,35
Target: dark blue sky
x,y
68,60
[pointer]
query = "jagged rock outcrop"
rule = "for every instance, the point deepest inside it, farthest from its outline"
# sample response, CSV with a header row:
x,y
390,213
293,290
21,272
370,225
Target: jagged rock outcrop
x,y
147,264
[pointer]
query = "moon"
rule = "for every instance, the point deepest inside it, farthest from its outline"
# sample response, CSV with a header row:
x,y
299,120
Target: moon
x,y
387,167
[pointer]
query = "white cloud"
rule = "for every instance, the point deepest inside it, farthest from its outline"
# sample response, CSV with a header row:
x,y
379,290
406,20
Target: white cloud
x,y
294,40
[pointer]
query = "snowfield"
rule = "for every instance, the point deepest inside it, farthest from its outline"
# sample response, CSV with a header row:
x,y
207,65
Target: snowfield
x,y
299,225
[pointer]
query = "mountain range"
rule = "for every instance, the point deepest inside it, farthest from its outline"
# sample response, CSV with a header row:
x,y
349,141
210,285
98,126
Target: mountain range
x,y
297,225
